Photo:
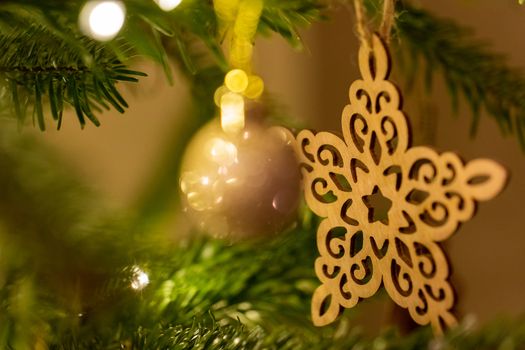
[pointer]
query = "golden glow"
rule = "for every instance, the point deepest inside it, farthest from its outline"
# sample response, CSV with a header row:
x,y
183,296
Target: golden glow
x,y
222,152
232,113
205,181
236,80
255,87
140,278
102,20
168,5
217,96
202,191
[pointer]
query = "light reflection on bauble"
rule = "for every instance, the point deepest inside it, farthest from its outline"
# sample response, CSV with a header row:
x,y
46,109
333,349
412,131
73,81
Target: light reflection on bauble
x,y
240,185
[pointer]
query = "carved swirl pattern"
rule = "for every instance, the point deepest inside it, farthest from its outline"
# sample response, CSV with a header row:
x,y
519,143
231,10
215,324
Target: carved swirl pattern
x,y
424,197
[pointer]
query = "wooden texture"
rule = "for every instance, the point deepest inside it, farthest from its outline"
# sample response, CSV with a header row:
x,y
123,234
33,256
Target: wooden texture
x,y
386,205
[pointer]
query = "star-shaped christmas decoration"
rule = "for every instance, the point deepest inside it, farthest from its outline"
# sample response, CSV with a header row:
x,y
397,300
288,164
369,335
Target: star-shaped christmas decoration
x,y
386,205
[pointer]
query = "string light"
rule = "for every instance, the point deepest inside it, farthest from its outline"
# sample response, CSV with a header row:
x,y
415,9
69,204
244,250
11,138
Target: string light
x,y
140,279
168,5
102,20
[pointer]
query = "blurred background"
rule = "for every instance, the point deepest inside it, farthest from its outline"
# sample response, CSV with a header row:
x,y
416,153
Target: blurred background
x,y
487,254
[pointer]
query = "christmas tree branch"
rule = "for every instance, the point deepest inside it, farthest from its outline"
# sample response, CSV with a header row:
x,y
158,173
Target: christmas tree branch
x,y
283,17
50,63
469,69
38,68
269,290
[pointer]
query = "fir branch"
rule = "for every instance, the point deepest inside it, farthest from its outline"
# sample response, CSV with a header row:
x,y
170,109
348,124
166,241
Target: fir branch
x,y
209,334
285,17
269,286
469,69
206,334
50,63
37,67
198,336
66,68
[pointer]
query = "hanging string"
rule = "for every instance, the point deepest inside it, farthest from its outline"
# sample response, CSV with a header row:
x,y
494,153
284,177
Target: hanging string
x,y
361,25
388,19
386,23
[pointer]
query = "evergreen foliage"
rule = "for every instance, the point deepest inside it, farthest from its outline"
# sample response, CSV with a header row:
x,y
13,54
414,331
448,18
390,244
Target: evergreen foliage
x,y
468,67
66,262
66,273
38,67
70,69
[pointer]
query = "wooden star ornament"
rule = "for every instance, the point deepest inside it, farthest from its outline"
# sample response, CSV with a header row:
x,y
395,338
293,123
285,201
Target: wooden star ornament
x,y
386,205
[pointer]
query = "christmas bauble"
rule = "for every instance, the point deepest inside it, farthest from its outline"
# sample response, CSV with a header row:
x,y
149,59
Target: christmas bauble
x,y
240,185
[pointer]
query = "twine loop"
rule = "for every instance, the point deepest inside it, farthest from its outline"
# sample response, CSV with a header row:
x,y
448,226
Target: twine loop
x,y
385,28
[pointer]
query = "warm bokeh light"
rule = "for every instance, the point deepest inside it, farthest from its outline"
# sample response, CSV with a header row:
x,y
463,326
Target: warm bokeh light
x,y
222,152
255,87
102,20
168,5
236,80
140,279
232,112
